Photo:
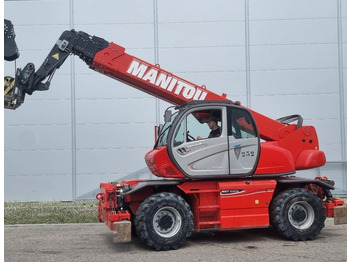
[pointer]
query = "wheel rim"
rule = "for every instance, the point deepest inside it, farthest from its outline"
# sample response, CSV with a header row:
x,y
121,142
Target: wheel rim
x,y
301,215
167,222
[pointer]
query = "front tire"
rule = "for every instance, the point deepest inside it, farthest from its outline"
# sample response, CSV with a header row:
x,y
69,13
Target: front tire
x,y
164,221
297,214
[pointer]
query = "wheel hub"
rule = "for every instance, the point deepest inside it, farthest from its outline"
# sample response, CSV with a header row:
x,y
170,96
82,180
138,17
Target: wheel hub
x,y
298,214
301,215
167,222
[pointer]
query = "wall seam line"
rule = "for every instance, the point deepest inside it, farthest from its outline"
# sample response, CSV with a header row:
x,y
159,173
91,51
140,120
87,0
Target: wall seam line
x,y
156,54
247,58
73,110
341,90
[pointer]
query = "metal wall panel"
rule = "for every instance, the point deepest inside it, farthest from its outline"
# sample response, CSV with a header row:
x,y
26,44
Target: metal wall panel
x,y
278,57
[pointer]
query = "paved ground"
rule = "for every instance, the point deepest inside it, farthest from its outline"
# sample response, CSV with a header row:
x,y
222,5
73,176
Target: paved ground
x,y
93,242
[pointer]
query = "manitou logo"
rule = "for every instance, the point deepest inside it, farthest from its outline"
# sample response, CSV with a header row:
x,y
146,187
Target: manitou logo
x,y
165,81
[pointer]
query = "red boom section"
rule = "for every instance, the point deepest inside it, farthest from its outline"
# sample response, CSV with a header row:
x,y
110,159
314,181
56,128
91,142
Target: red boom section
x,y
112,61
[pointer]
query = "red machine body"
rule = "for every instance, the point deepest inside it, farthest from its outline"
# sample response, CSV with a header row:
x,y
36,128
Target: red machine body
x,y
216,204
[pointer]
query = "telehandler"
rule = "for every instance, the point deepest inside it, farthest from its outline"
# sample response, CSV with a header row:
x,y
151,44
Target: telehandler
x,y
244,177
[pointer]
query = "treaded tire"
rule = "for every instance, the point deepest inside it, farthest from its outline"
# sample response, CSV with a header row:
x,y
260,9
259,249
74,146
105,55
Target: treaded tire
x,y
297,214
164,221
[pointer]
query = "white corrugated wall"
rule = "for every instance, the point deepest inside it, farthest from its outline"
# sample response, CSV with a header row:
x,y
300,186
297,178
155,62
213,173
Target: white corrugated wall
x,y
277,57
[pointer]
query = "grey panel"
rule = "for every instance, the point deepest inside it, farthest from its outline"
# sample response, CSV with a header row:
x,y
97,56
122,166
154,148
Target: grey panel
x,y
272,32
104,135
291,9
28,163
214,34
203,59
38,188
283,57
40,112
37,137
110,161
111,11
54,12
199,11
108,110
295,82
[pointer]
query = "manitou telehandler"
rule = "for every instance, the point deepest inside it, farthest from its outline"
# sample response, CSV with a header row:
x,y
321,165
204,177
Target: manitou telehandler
x,y
241,178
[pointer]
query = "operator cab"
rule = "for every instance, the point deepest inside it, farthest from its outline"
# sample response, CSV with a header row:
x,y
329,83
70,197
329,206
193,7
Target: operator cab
x,y
196,153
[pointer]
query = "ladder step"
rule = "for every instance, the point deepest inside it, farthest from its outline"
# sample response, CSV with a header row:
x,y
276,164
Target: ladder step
x,y
213,207
209,223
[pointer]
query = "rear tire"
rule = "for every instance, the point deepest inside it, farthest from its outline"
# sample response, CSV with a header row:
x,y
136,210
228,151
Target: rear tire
x,y
297,214
164,221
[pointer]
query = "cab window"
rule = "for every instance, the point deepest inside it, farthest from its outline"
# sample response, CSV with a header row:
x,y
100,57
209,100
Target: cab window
x,y
180,134
195,126
242,125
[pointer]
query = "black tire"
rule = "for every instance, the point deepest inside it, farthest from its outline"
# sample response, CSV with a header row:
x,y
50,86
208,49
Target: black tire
x,y
164,221
133,227
297,214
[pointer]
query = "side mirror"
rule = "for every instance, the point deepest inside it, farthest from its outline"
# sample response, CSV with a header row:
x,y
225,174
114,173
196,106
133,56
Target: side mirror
x,y
167,116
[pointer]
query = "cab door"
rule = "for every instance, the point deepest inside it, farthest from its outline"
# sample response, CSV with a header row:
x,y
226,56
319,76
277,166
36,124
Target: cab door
x,y
243,140
193,152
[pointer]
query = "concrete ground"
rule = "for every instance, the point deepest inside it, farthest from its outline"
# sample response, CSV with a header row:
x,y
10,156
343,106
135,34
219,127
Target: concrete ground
x,y
93,242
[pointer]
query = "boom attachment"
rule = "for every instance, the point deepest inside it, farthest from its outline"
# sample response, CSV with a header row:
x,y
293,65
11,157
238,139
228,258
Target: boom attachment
x,y
28,80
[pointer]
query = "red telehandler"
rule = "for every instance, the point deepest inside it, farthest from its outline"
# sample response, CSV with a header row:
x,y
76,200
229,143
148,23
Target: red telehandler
x,y
244,177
